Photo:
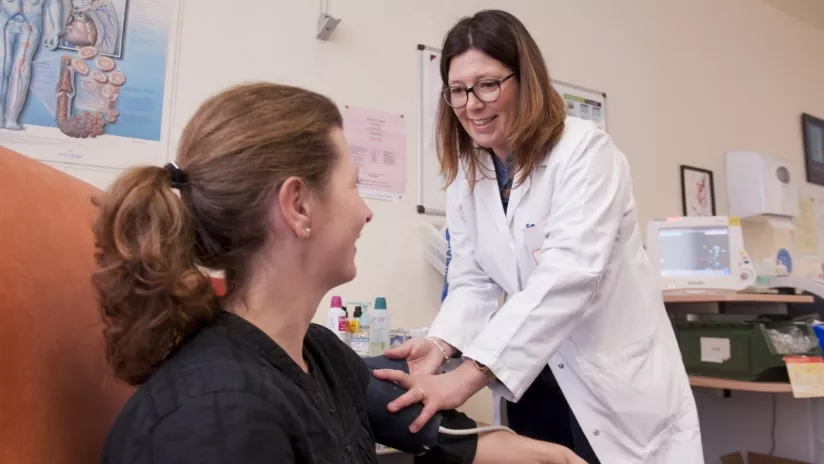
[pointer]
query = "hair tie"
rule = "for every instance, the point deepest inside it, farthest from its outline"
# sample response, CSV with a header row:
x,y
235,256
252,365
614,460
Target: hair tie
x,y
177,176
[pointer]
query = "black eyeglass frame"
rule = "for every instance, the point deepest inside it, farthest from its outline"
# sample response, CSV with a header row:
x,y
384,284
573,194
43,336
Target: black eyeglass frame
x,y
471,89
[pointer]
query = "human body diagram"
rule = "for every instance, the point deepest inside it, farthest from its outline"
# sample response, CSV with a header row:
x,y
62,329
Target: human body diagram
x,y
83,40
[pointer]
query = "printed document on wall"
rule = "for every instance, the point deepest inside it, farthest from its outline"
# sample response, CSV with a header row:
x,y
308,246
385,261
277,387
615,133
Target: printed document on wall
x,y
806,228
583,103
91,81
377,142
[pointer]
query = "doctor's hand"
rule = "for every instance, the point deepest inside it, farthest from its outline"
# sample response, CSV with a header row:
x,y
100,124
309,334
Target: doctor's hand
x,y
424,356
436,392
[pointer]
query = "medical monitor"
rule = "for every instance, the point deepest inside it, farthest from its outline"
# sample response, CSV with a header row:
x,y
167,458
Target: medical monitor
x,y
701,253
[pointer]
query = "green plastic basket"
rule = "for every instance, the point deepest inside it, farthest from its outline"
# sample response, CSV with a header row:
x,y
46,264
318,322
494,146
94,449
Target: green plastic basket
x,y
752,355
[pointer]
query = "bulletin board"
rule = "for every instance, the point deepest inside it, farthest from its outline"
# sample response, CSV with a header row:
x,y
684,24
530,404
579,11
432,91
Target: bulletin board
x,y
431,194
580,101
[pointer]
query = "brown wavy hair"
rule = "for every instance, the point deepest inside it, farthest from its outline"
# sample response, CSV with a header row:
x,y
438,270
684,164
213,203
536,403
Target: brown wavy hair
x,y
540,120
153,244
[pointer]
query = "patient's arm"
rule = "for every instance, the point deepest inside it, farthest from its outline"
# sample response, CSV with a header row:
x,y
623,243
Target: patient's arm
x,y
503,446
437,442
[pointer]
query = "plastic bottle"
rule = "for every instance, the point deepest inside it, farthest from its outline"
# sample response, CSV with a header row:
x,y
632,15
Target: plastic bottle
x,y
379,328
336,319
365,319
360,341
354,320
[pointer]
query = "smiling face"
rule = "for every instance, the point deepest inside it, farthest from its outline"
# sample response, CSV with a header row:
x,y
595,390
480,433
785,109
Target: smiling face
x,y
486,123
341,216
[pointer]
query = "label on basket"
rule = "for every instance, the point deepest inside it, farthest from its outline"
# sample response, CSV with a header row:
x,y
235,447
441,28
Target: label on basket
x,y
806,375
715,350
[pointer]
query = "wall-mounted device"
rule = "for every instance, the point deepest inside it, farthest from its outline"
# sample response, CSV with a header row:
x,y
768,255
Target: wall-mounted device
x,y
763,192
326,22
699,254
760,185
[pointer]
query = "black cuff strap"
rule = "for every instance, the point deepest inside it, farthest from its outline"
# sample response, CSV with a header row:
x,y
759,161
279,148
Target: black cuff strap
x,y
453,449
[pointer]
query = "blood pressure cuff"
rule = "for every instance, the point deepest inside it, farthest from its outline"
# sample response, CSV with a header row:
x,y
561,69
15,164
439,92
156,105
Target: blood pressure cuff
x,y
428,445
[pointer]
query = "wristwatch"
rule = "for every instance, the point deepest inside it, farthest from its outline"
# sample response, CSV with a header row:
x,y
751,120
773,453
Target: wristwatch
x,y
490,376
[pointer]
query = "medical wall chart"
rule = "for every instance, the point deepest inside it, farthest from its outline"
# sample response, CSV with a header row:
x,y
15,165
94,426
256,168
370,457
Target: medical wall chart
x,y
91,81
581,102
377,142
584,103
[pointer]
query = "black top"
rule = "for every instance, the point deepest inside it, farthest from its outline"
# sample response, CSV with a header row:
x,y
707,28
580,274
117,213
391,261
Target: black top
x,y
230,394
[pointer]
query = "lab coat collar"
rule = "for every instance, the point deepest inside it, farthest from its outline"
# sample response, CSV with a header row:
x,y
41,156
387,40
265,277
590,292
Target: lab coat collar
x,y
520,192
486,189
486,192
517,193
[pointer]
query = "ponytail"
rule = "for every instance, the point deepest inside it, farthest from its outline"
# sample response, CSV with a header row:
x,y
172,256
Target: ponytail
x,y
152,294
236,151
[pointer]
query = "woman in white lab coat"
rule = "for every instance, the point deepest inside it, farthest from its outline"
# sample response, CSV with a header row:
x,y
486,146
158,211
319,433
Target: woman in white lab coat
x,y
541,209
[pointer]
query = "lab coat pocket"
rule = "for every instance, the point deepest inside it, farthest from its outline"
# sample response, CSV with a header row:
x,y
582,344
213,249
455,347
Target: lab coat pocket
x,y
636,387
534,240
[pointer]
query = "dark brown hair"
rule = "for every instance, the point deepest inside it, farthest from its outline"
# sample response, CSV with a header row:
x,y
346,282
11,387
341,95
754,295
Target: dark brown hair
x,y
540,118
152,244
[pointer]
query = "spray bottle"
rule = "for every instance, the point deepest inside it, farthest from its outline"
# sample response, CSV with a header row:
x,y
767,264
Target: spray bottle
x,y
379,328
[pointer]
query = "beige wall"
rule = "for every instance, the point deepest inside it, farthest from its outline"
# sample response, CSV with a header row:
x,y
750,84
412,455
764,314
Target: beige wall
x,y
686,81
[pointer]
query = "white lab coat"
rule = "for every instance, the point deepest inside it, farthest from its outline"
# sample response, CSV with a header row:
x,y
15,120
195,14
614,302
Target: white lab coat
x,y
588,303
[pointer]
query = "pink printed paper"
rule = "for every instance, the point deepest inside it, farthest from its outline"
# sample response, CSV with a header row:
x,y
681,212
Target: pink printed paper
x,y
376,140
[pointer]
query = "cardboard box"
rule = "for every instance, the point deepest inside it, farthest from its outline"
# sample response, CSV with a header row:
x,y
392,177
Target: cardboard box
x,y
757,458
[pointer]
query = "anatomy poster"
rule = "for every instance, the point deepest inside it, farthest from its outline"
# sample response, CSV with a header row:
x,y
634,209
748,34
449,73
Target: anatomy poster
x,y
90,81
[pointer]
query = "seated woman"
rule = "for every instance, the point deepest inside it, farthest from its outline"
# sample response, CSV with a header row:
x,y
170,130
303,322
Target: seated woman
x,y
267,194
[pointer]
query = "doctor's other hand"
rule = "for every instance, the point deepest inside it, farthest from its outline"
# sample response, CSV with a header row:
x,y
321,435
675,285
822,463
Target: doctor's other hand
x,y
424,356
436,392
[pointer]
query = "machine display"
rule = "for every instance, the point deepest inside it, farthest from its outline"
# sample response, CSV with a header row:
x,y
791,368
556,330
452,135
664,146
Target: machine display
x,y
699,254
688,251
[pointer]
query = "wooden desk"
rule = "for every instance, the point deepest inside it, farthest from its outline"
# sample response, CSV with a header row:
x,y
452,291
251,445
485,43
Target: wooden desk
x,y
751,298
737,298
740,385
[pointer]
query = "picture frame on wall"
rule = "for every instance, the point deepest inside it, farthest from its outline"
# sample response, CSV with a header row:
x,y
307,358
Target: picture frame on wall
x,y
697,191
812,129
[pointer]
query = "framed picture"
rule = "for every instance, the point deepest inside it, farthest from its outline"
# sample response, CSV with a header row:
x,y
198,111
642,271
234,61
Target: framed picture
x,y
697,192
813,131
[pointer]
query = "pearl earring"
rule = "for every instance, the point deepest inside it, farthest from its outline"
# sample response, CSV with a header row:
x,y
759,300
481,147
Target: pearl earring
x,y
308,231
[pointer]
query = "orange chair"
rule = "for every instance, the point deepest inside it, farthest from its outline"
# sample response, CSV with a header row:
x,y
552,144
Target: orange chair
x,y
58,397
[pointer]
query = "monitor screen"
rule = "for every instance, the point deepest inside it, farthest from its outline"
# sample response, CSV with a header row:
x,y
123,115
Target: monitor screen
x,y
694,251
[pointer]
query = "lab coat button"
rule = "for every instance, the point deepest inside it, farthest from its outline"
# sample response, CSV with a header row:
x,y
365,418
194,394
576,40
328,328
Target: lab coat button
x,y
596,432
561,366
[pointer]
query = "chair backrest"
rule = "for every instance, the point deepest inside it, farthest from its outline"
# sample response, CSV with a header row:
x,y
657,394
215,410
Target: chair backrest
x,y
58,397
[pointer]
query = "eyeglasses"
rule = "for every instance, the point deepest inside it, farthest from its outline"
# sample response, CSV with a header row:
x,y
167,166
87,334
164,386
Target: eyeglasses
x,y
485,90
